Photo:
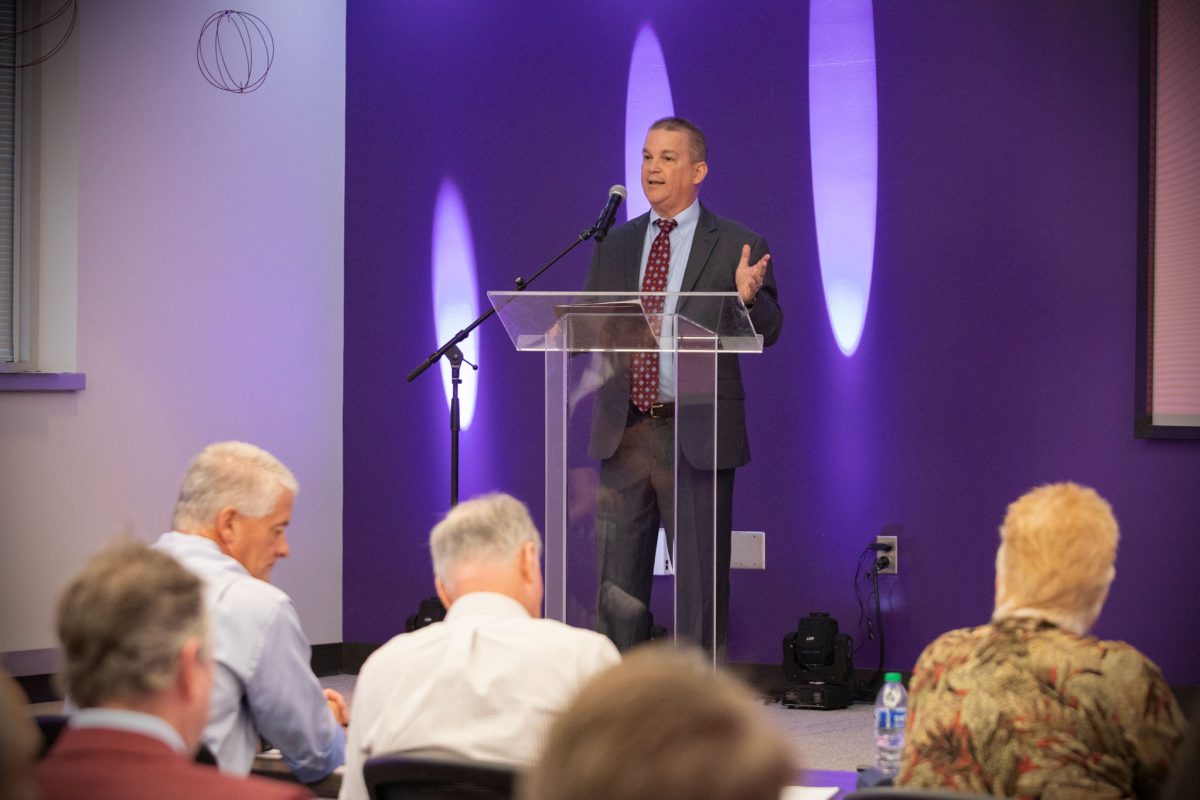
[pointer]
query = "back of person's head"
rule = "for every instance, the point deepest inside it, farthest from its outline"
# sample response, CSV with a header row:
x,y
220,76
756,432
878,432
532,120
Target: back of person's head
x,y
123,623
230,475
662,725
19,742
490,529
1058,547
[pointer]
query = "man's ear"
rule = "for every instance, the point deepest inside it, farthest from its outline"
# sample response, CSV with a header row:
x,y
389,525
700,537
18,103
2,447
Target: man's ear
x,y
532,586
190,680
442,594
530,566
224,524
701,172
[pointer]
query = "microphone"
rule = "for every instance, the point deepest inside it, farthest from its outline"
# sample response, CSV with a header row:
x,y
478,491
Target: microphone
x,y
616,195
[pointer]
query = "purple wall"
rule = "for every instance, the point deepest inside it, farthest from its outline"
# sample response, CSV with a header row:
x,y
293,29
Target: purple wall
x,y
998,351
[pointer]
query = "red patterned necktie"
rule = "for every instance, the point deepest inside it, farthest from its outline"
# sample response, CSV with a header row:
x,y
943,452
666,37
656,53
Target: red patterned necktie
x,y
643,378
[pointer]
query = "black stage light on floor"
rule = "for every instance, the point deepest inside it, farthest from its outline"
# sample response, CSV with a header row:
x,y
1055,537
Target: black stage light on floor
x,y
430,611
818,664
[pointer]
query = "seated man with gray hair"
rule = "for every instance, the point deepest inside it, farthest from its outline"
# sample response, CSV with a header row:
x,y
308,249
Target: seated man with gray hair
x,y
1031,705
229,529
138,666
486,683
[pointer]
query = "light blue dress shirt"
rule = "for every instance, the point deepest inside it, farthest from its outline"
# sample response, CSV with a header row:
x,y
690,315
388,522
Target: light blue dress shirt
x,y
263,685
681,247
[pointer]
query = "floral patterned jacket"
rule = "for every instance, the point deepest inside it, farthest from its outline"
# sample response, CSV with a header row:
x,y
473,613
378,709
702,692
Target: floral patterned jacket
x,y
1020,708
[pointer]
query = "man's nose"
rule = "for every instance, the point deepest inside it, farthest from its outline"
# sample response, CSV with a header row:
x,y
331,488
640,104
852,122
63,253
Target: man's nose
x,y
282,549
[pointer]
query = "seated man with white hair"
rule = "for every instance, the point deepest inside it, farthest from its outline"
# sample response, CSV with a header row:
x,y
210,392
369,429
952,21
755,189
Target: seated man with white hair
x,y
487,682
1031,705
229,528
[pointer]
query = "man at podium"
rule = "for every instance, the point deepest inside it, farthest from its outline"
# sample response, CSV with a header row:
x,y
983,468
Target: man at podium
x,y
678,246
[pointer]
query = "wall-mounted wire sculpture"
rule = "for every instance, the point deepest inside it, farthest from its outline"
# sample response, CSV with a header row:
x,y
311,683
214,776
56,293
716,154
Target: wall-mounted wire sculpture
x,y
235,51
37,26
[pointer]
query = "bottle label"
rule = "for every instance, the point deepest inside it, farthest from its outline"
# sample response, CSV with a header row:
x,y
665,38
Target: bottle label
x,y
890,718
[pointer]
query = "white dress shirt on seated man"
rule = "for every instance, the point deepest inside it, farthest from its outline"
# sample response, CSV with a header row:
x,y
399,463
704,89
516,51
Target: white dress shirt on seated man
x,y
264,685
483,685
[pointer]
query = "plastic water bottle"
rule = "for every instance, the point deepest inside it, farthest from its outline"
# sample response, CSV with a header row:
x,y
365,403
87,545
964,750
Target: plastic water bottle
x,y
891,709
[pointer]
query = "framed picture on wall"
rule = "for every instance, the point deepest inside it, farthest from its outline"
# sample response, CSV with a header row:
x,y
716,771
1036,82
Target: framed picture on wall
x,y
1167,405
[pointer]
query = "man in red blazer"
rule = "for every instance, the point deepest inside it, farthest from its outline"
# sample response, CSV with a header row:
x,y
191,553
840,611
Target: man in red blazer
x,y
138,665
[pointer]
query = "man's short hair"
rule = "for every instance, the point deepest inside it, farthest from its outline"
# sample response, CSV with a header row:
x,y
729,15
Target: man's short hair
x,y
230,474
123,621
662,725
697,141
1058,545
492,527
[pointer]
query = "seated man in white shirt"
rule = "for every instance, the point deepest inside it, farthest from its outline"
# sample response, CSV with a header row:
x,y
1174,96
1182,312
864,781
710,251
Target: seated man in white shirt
x,y
229,528
487,682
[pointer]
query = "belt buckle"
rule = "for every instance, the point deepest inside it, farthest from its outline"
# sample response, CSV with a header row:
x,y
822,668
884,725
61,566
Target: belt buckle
x,y
659,411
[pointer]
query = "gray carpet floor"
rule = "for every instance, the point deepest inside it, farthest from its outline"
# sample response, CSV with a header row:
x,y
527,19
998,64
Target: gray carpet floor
x,y
834,740
840,740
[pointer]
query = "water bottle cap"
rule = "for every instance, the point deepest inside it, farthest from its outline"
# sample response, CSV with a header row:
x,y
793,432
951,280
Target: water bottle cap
x,y
892,677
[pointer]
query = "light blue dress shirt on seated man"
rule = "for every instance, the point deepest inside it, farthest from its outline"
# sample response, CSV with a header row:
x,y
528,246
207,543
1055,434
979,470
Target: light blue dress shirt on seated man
x,y
681,248
263,687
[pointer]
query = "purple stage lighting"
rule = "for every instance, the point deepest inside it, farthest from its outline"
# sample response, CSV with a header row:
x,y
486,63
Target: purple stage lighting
x,y
455,296
842,120
647,99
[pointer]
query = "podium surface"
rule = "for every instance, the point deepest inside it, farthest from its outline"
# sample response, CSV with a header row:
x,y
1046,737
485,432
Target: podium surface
x,y
588,340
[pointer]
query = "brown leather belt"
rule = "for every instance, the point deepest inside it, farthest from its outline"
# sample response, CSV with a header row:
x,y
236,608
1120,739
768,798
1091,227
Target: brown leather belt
x,y
656,411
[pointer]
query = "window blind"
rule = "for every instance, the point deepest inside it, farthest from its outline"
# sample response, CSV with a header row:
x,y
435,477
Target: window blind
x,y
8,129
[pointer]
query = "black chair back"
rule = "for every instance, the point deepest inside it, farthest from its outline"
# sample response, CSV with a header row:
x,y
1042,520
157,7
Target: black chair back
x,y
400,777
51,725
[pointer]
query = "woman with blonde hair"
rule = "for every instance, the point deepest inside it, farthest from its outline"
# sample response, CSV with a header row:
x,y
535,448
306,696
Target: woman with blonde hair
x,y
1030,705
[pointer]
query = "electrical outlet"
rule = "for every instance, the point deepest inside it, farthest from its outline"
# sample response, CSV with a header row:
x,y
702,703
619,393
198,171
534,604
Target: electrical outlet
x,y
749,550
893,555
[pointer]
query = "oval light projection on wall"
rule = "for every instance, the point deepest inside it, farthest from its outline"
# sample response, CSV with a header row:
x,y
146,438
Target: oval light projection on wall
x,y
455,304
647,99
842,121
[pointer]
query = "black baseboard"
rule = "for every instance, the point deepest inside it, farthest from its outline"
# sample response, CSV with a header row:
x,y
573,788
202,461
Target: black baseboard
x,y
1188,698
340,658
354,654
327,659
335,658
40,688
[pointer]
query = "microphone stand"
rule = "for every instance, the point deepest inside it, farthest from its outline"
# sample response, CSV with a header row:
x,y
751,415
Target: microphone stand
x,y
455,356
451,351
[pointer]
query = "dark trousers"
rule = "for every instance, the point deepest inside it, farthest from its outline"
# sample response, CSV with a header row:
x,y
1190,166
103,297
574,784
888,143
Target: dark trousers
x,y
637,492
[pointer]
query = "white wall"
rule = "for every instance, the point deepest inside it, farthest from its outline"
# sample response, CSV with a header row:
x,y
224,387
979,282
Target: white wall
x,y
209,302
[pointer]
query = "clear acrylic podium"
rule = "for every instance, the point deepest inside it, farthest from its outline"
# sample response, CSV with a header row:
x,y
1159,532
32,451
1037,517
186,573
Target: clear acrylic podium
x,y
588,340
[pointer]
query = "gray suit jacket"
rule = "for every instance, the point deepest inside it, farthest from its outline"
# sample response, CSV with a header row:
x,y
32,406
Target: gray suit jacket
x,y
716,250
